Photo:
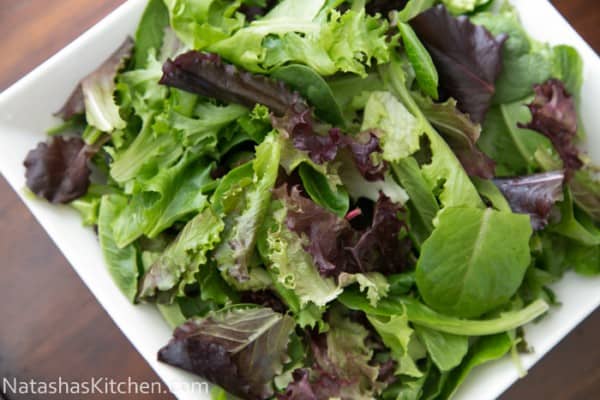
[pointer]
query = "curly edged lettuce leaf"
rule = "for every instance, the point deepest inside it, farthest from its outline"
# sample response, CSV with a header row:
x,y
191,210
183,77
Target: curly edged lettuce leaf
x,y
244,213
95,93
179,263
342,365
240,349
328,41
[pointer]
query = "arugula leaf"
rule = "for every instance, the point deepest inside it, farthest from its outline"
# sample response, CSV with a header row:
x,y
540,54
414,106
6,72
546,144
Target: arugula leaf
x,y
426,74
476,275
178,264
468,58
223,347
150,32
122,263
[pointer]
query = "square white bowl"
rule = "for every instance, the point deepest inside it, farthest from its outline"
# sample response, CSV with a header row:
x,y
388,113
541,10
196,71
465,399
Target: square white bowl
x,y
26,112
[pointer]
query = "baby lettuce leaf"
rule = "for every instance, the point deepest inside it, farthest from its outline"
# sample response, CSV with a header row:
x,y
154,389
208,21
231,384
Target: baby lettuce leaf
x,y
512,148
446,350
554,116
241,350
342,365
443,172
486,349
422,204
463,6
467,57
420,314
568,68
524,62
199,23
585,188
150,32
460,133
575,225
426,74
58,170
122,263
336,247
414,8
463,270
332,42
178,265
206,75
314,89
399,129
320,190
534,195
246,214
95,93
290,265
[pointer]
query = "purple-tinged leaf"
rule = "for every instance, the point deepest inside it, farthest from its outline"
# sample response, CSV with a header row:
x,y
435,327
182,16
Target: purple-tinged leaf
x,y
554,116
384,7
97,89
253,12
205,74
337,247
241,350
534,195
460,133
467,57
58,170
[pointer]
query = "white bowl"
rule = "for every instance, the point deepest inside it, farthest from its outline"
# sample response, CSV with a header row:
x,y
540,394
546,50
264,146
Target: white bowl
x,y
26,112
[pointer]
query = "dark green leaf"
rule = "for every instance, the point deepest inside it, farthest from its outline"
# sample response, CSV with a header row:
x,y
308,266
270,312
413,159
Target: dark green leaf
x,y
320,190
426,74
150,32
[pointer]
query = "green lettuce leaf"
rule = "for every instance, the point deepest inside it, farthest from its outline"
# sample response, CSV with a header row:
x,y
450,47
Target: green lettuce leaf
x,y
446,350
178,265
122,263
150,32
245,216
342,42
477,274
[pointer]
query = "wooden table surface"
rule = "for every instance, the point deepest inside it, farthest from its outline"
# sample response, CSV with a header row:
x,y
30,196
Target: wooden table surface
x,y
51,326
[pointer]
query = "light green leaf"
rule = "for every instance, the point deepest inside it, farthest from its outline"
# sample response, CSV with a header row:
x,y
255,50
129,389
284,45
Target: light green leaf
x,y
463,270
426,74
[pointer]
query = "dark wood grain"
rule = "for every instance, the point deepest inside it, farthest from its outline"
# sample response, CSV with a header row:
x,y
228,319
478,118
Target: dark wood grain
x,y
51,326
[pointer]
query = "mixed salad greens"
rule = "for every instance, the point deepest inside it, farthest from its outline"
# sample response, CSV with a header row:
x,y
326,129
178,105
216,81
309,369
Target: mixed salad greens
x,y
332,199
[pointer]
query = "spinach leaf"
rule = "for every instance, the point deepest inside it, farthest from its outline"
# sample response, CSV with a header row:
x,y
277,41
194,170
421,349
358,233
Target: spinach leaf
x,y
320,190
446,350
486,349
426,74
474,260
122,262
314,89
150,32
568,67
